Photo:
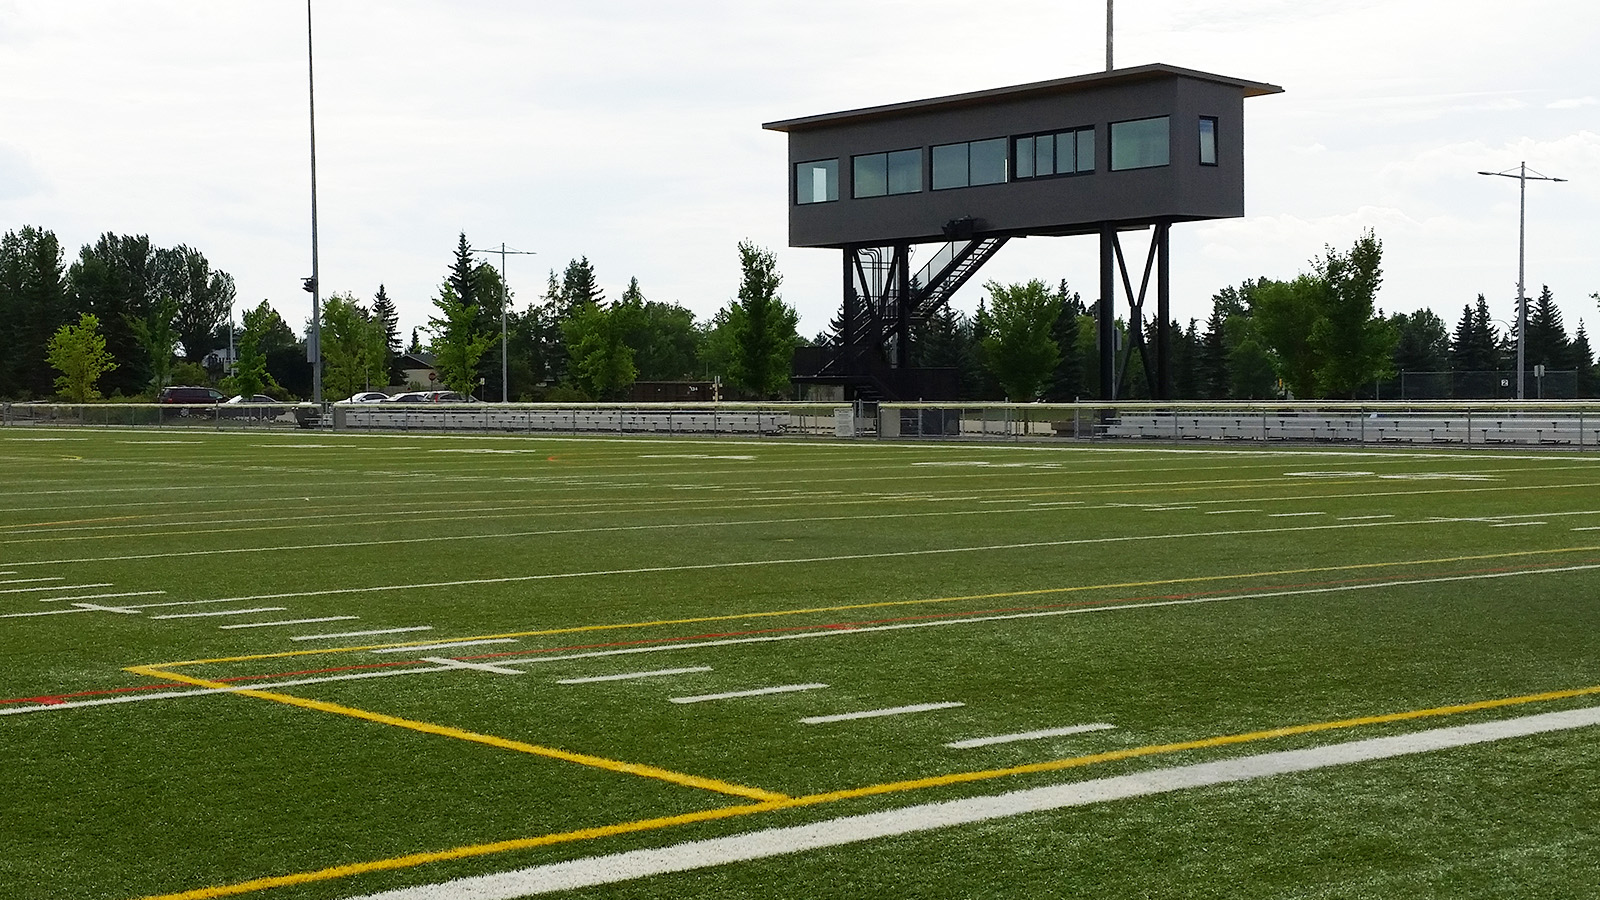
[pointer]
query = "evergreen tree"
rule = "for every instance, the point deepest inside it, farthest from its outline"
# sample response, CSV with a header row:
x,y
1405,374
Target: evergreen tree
x,y
203,296
463,274
33,305
1186,362
388,318
1474,344
1581,355
111,279
578,286
1548,344
1066,381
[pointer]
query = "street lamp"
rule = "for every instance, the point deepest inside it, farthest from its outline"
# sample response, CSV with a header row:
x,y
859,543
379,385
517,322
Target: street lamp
x,y
1521,174
503,253
312,284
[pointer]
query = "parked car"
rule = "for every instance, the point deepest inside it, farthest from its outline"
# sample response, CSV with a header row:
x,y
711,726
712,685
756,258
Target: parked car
x,y
190,400
450,397
409,397
367,397
256,406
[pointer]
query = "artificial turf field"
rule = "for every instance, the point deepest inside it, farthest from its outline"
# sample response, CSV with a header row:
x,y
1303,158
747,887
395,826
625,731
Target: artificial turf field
x,y
321,666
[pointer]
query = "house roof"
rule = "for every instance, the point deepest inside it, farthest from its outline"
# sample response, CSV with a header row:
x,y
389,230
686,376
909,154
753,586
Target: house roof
x,y
1073,84
418,360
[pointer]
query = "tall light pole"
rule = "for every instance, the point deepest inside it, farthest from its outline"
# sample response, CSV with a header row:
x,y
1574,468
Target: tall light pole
x,y
503,292
312,284
1108,34
1521,174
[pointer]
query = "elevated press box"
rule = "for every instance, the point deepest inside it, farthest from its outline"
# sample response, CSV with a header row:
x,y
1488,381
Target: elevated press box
x,y
1144,145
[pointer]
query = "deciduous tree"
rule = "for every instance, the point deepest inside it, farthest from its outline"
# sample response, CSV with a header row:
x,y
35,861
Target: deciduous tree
x,y
78,352
1019,349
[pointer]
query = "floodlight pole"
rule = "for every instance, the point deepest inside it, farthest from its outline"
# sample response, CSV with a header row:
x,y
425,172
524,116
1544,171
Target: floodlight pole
x,y
503,355
1523,178
1108,34
314,286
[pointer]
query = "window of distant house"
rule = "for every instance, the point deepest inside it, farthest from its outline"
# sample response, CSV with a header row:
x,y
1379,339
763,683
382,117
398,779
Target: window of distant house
x,y
1141,143
972,163
1208,140
1058,153
816,182
878,174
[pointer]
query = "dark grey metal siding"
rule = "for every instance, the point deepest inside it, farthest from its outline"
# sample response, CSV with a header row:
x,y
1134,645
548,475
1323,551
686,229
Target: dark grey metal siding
x,y
1181,190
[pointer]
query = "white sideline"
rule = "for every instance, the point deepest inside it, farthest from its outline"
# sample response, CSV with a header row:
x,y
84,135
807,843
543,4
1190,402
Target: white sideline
x,y
626,866
1041,734
879,713
757,692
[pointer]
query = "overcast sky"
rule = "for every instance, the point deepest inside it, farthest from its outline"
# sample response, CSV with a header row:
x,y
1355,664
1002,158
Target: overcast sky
x,y
628,131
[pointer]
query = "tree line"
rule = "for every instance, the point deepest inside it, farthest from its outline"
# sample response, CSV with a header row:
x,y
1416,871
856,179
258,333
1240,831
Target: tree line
x,y
1319,335
127,318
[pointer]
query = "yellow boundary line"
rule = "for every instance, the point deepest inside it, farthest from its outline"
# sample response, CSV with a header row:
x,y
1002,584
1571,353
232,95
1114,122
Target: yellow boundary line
x,y
765,614
655,824
583,759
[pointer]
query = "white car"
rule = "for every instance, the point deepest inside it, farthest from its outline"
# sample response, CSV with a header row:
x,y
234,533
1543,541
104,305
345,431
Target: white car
x,y
367,397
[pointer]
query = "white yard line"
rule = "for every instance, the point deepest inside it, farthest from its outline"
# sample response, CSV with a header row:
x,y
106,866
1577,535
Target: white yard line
x,y
290,622
1365,518
722,524
1293,515
480,667
56,587
30,580
879,713
201,692
101,596
351,634
220,612
1516,524
95,607
629,676
806,560
1230,512
1167,508
446,645
688,856
757,692
1044,614
970,743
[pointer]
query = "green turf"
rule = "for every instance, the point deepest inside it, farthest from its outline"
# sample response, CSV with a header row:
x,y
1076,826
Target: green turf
x,y
1334,585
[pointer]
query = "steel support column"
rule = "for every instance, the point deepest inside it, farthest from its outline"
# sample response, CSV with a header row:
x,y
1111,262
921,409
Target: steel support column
x,y
1163,237
1108,311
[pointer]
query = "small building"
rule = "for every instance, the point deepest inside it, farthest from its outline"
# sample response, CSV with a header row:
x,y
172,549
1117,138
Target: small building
x,y
1109,152
417,372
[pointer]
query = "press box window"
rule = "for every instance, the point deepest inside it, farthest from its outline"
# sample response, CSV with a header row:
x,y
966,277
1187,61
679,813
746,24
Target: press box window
x,y
816,182
877,174
1061,153
1208,140
973,163
1141,143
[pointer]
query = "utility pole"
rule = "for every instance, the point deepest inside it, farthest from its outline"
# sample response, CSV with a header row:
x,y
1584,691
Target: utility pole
x,y
503,294
312,284
1523,177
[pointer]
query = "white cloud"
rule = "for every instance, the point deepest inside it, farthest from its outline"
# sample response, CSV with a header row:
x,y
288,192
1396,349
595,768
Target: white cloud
x,y
1572,103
